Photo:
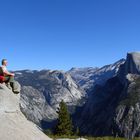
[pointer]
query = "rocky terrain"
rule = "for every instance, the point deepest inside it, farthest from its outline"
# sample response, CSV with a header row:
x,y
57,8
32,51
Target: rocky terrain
x,y
13,124
42,91
103,101
87,78
114,108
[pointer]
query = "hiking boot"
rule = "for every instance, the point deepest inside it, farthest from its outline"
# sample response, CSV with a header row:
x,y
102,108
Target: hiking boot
x,y
16,92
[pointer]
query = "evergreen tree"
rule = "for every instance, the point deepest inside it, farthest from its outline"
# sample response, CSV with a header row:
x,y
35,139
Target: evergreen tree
x,y
77,133
64,125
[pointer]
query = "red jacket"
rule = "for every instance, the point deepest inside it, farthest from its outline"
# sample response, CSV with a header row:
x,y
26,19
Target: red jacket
x,y
2,78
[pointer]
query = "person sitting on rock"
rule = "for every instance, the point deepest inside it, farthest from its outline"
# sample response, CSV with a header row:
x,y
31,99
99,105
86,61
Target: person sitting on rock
x,y
8,77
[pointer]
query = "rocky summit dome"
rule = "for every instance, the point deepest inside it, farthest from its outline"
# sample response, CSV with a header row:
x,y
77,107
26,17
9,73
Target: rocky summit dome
x,y
133,63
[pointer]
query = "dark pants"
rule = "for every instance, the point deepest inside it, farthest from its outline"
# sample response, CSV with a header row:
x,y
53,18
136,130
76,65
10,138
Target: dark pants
x,y
8,79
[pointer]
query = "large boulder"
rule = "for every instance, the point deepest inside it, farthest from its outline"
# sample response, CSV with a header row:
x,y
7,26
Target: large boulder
x,y
13,124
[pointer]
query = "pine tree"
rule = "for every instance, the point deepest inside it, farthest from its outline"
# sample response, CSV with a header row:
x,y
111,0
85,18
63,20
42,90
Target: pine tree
x,y
64,125
77,133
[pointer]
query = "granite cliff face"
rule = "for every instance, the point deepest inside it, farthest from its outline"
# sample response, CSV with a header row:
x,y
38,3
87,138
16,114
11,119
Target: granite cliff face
x,y
42,91
13,124
114,109
132,64
34,105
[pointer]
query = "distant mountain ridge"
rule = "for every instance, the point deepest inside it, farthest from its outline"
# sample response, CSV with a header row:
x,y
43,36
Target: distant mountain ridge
x,y
96,92
43,90
87,78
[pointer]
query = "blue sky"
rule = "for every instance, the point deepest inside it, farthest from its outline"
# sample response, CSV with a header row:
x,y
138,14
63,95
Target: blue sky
x,y
60,34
